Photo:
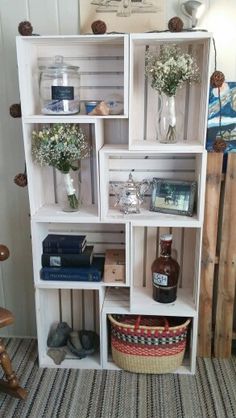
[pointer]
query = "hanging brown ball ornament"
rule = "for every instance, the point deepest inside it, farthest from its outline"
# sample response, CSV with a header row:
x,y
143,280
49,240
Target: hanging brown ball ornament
x,y
4,252
99,27
217,79
175,24
25,28
15,110
21,180
219,145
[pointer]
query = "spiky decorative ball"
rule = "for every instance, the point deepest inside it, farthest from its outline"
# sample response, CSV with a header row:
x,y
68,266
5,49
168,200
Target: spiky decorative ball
x,y
21,180
99,27
219,145
25,28
175,24
217,79
15,110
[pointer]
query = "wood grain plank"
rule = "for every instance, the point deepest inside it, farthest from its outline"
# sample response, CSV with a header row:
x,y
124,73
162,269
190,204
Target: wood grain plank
x,y
227,266
213,186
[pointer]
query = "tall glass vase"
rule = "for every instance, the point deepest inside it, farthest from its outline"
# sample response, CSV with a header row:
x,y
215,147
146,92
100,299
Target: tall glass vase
x,y
166,120
68,190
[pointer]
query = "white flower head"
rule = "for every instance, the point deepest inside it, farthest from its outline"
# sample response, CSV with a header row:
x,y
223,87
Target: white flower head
x,y
60,146
169,70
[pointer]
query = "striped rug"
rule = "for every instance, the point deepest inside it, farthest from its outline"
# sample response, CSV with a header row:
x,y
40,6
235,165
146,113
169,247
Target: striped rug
x,y
119,394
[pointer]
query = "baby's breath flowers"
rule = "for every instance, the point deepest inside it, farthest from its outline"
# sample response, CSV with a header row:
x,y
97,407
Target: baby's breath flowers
x,y
170,69
61,146
167,72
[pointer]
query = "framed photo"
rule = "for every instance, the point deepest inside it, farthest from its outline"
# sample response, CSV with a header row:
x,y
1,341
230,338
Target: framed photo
x,y
123,15
173,196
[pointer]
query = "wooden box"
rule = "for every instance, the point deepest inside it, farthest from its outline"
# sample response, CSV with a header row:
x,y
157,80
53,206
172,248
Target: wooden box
x,y
114,269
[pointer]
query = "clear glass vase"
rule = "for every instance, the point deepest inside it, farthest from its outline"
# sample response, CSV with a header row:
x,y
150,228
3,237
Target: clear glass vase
x,y
68,190
166,120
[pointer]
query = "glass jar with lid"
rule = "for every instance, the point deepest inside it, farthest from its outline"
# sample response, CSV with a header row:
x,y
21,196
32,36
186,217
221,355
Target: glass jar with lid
x,y
59,86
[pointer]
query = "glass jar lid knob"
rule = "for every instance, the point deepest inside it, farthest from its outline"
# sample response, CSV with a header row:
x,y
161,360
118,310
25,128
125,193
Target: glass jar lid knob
x,y
58,59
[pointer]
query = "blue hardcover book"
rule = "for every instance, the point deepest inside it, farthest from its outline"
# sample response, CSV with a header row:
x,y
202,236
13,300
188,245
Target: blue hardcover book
x,y
67,244
92,273
68,260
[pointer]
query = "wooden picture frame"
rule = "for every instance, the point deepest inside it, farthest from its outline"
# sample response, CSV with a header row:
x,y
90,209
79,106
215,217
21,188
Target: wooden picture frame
x,y
173,196
123,16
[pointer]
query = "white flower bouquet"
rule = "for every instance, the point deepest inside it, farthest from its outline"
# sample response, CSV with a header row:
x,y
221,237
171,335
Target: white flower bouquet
x,y
167,72
170,69
61,146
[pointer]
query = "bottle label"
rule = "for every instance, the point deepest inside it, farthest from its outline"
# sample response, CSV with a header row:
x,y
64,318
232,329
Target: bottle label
x,y
62,93
160,279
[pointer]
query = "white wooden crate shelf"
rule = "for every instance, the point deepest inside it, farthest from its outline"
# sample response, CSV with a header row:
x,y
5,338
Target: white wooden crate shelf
x,y
95,55
80,309
102,236
188,365
43,181
189,101
114,64
145,249
116,164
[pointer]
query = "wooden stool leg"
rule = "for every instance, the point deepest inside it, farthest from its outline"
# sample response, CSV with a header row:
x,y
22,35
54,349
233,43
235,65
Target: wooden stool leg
x,y
11,384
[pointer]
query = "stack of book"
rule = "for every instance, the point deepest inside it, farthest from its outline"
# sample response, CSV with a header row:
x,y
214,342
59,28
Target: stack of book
x,y
68,257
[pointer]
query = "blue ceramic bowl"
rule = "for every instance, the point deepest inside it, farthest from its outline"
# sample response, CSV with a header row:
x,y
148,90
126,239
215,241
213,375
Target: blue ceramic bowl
x,y
90,105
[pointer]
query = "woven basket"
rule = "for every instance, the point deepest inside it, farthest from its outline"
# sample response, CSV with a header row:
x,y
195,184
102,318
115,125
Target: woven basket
x,y
148,344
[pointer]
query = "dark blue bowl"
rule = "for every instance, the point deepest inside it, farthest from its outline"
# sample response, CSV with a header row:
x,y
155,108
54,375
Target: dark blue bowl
x,y
90,105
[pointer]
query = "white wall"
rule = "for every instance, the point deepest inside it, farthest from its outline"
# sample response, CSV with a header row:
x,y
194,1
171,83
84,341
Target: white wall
x,y
16,283
49,17
220,19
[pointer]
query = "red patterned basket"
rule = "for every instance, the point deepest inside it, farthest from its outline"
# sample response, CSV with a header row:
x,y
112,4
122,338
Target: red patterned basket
x,y
148,344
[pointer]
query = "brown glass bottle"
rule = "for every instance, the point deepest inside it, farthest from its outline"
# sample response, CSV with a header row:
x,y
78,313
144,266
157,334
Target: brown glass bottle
x,y
165,273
